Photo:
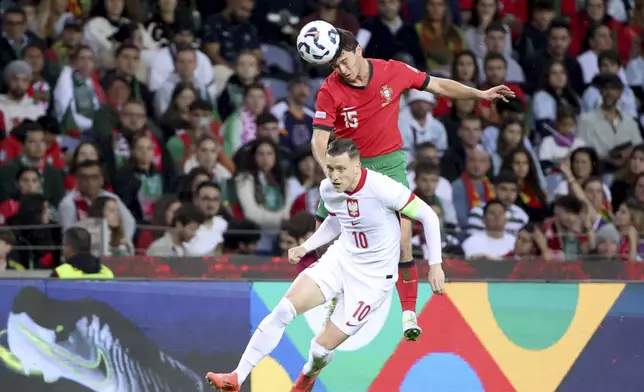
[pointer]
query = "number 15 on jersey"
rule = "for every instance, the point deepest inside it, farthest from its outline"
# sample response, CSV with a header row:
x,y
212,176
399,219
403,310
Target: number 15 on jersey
x,y
350,119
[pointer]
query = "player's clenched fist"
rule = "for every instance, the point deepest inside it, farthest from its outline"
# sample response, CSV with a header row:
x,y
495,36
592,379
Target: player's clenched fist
x,y
296,254
436,279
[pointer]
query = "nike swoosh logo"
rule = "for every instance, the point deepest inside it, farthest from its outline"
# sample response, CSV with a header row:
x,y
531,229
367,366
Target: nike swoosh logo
x,y
351,325
354,223
55,353
349,108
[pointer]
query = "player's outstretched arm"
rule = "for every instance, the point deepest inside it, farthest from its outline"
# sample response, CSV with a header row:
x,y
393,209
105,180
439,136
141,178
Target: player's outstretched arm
x,y
418,210
327,232
455,90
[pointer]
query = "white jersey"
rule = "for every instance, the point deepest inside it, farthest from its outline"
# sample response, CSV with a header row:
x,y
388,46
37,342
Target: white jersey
x,y
370,226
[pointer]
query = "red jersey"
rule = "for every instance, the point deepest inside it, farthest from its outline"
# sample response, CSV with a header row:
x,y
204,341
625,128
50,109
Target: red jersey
x,y
368,115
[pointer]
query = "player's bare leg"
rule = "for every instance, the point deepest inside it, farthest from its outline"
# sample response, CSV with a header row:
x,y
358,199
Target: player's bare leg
x,y
303,295
407,284
320,355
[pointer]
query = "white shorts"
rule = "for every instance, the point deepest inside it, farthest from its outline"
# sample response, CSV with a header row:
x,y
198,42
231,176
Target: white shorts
x,y
359,296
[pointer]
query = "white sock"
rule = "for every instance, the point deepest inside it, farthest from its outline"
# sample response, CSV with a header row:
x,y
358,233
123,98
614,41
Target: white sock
x,y
319,357
266,338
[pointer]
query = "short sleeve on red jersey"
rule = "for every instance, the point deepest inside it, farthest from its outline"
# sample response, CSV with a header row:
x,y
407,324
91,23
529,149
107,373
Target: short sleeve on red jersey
x,y
415,78
324,118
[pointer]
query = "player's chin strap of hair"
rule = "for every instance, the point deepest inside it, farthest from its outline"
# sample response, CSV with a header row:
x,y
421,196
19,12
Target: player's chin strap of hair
x,y
418,210
327,232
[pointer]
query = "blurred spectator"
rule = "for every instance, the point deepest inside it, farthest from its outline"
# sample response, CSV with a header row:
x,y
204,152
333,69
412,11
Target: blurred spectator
x,y
208,155
40,88
226,34
297,230
485,12
35,246
429,153
178,116
78,95
532,199
332,12
139,183
28,180
621,188
418,125
451,244
638,188
268,128
460,108
161,219
241,127
630,227
191,182
495,67
534,37
185,223
242,238
209,240
562,139
79,261
582,24
104,207
52,15
496,37
126,65
294,117
584,164
16,35
506,189
473,187
33,155
593,98
247,70
75,205
511,135
606,130
17,105
599,40
426,180
85,151
629,41
567,236
166,18
58,55
389,34
117,93
469,135
607,242
464,70
530,243
185,71
163,62
308,175
7,262
494,242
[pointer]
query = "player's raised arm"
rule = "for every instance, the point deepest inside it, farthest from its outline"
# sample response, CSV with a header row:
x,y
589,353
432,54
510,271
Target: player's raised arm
x,y
455,90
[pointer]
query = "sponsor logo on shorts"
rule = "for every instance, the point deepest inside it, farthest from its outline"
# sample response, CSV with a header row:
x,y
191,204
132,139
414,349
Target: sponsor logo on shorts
x,y
320,115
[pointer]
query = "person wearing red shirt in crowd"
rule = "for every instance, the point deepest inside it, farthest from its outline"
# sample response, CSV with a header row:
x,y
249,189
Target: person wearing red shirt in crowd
x,y
28,180
361,101
567,236
594,13
630,37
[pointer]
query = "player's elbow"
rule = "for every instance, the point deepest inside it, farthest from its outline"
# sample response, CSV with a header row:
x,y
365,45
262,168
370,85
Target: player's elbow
x,y
436,86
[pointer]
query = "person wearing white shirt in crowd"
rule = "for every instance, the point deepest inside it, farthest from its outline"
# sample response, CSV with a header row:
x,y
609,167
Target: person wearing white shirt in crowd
x,y
210,237
428,151
183,228
506,188
494,242
562,139
417,124
600,40
162,61
609,64
16,105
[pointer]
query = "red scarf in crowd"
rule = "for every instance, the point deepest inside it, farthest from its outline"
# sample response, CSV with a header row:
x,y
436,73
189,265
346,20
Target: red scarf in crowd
x,y
529,198
473,196
82,205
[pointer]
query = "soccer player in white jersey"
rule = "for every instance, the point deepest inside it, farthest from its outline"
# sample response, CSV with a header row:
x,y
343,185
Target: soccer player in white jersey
x,y
360,268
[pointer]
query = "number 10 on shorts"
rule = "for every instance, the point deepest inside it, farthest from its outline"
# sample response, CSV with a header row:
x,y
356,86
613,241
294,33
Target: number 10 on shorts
x,y
361,312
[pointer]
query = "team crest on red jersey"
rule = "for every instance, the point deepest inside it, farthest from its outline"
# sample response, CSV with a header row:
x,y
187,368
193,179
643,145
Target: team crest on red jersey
x,y
387,94
353,208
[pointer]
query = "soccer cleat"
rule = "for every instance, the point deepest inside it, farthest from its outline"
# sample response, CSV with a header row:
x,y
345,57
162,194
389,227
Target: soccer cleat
x,y
224,382
411,330
304,383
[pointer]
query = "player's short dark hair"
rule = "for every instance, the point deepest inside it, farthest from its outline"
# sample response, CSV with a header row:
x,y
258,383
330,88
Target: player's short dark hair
x,y
348,43
7,236
609,55
496,27
79,239
491,203
265,118
424,167
126,46
188,213
569,203
343,146
506,177
254,86
494,56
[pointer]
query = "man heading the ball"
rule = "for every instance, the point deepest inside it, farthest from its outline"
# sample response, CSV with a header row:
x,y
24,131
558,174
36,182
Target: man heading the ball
x,y
360,101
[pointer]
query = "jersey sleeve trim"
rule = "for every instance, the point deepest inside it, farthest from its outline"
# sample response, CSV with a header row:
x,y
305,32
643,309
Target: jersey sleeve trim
x,y
411,198
331,213
425,83
319,218
323,127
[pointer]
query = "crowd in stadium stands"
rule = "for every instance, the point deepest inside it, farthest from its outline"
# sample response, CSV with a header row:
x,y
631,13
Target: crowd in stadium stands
x,y
196,116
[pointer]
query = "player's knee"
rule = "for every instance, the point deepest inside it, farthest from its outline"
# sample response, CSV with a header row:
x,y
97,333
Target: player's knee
x,y
282,314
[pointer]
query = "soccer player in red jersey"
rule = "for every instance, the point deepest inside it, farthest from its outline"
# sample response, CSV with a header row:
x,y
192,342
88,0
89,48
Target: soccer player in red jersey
x,y
360,101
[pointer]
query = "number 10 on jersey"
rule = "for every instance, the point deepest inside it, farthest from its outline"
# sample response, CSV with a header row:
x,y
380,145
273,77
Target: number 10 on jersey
x,y
350,119
360,238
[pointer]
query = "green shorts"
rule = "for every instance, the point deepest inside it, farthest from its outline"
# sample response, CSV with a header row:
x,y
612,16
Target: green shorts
x,y
393,165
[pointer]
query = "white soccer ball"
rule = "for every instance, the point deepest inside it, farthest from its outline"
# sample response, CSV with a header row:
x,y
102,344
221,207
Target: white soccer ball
x,y
318,42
